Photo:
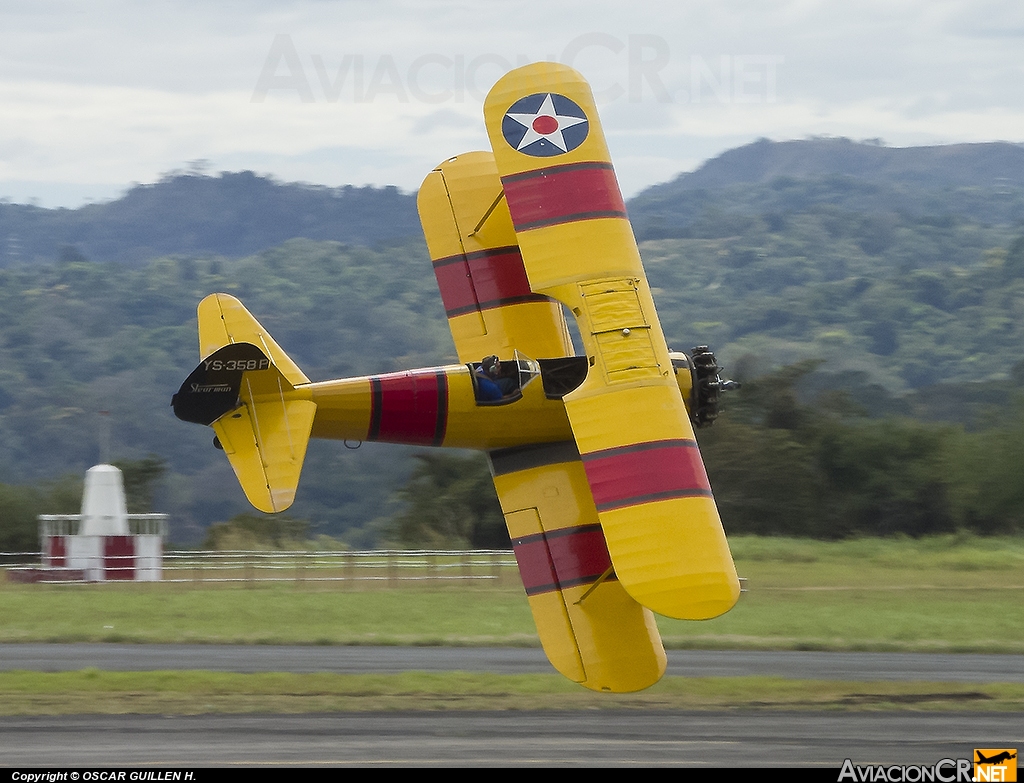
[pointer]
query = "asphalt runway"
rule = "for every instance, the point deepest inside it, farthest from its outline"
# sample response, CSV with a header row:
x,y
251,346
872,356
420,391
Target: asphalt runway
x,y
521,738
502,660
586,738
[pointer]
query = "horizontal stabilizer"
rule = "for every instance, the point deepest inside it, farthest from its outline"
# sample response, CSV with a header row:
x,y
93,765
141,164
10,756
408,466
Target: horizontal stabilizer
x,y
266,444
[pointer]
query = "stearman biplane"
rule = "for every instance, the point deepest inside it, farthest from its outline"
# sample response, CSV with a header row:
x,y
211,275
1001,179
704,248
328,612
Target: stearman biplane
x,y
593,456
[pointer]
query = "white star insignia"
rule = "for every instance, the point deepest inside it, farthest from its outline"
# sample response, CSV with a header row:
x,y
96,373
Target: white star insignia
x,y
545,124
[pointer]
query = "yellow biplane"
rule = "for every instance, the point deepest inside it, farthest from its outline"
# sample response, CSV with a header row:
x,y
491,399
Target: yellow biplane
x,y
593,457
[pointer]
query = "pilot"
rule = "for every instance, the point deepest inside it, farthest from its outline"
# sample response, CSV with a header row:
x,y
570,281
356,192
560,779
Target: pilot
x,y
491,385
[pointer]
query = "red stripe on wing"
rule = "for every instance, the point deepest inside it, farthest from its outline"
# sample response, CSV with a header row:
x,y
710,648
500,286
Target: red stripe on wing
x,y
561,558
646,472
498,275
563,194
456,285
483,280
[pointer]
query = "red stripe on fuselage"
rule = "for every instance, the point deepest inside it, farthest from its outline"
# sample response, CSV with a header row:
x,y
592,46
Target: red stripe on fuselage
x,y
646,472
561,558
482,280
563,194
409,407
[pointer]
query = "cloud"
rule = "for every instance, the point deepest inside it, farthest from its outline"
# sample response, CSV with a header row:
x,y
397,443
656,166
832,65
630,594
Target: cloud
x,y
119,92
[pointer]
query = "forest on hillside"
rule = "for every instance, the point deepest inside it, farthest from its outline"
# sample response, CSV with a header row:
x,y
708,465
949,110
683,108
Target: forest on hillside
x,y
876,325
84,337
191,213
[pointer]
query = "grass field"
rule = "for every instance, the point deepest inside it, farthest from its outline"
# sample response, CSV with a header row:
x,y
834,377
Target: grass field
x,y
938,594
953,594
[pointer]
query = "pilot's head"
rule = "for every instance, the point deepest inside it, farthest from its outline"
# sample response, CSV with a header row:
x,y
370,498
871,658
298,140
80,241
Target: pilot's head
x,y
490,365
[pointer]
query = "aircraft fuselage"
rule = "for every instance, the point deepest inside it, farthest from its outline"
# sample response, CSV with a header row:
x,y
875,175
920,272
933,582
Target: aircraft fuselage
x,y
437,406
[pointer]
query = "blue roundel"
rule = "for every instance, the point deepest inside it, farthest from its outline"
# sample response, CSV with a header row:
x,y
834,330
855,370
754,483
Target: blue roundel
x,y
545,124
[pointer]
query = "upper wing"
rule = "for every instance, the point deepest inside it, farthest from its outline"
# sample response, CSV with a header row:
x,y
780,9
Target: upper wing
x,y
490,306
592,631
641,459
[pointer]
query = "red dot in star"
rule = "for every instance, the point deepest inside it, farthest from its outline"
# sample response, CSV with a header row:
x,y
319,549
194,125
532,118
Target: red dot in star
x,y
545,125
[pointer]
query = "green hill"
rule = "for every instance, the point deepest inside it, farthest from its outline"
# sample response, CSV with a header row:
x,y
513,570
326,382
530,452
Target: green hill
x,y
231,214
907,287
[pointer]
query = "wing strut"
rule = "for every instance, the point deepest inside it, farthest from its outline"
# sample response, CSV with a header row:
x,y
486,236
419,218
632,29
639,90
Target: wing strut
x,y
487,214
593,587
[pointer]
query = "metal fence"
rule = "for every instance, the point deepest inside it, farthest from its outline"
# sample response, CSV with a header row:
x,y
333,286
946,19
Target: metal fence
x,y
385,568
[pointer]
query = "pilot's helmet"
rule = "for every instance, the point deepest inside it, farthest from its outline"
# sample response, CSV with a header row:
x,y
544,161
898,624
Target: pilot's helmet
x,y
489,364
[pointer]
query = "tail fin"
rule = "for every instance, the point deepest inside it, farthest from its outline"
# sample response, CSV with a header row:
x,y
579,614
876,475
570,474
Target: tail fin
x,y
223,320
245,388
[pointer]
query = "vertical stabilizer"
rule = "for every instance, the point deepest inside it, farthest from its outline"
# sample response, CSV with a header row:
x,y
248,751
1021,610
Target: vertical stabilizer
x,y
252,394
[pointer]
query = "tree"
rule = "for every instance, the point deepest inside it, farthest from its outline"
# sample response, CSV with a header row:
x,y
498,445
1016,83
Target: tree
x,y
19,506
451,504
257,531
1014,264
140,476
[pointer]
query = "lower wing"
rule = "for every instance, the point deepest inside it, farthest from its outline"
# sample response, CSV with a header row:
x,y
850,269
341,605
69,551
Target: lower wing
x,y
592,630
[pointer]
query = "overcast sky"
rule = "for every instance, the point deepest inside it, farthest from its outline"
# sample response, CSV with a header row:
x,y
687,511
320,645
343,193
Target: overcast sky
x,y
95,96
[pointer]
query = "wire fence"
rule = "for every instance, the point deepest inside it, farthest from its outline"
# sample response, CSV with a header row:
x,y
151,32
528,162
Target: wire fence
x,y
389,568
